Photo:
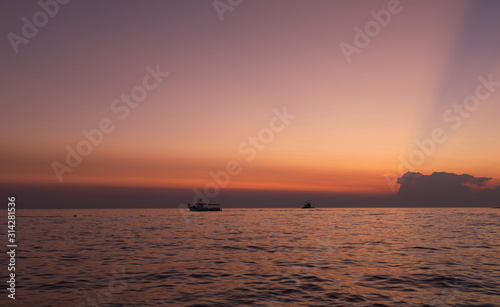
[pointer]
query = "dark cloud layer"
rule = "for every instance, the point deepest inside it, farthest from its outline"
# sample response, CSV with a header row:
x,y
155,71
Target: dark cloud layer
x,y
416,190
446,189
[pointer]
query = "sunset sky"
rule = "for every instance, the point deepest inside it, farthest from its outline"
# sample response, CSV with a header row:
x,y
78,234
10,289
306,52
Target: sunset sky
x,y
354,120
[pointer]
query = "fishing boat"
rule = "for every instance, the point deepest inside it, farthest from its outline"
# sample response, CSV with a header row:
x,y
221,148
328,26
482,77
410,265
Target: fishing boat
x,y
307,205
203,206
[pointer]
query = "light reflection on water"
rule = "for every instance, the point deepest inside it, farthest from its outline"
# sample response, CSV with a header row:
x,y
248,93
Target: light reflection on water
x,y
258,257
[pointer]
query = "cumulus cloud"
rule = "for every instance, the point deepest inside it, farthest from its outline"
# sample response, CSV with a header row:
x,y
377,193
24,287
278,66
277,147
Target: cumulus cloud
x,y
441,188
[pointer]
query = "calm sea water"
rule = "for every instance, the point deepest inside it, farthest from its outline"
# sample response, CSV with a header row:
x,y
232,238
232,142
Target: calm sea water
x,y
257,257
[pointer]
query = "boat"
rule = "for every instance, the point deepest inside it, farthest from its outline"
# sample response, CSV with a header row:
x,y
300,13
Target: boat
x,y
307,205
203,206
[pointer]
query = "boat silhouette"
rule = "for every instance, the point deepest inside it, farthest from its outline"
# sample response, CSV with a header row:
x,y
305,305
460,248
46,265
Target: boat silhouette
x,y
203,206
307,205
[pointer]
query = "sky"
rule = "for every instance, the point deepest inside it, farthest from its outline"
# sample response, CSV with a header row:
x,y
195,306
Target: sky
x,y
321,99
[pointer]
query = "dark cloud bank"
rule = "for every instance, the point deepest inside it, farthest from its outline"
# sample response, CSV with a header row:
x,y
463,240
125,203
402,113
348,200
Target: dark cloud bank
x,y
446,189
416,190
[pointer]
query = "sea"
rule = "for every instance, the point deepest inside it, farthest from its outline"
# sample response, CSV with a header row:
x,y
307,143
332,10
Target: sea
x,y
255,257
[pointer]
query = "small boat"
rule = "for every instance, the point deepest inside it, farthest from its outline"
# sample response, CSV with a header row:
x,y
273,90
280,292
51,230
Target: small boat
x,y
307,205
202,206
